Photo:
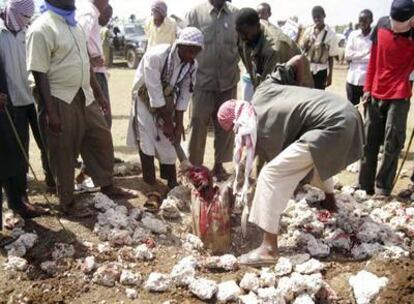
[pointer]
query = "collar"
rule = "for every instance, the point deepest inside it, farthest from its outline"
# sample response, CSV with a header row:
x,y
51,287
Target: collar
x,y
94,9
224,9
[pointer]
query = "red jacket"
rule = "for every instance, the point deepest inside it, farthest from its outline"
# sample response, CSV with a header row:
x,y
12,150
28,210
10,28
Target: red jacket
x,y
391,63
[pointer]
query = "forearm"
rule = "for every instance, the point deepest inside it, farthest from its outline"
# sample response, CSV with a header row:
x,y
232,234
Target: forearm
x,y
331,65
96,88
43,86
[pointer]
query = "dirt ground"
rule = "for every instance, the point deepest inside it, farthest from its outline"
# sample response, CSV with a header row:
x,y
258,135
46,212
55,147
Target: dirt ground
x,y
72,286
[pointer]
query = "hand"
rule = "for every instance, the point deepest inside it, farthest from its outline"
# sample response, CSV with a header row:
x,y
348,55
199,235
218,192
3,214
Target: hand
x,y
3,101
97,62
104,103
54,123
178,133
329,81
168,130
366,98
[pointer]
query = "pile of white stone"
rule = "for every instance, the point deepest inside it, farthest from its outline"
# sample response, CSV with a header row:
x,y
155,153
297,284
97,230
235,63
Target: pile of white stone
x,y
127,169
363,226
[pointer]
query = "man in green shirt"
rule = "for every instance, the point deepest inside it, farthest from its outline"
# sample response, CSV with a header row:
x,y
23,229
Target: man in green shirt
x,y
262,47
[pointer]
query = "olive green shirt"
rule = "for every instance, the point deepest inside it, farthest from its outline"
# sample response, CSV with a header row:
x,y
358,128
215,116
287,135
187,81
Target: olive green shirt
x,y
218,62
272,48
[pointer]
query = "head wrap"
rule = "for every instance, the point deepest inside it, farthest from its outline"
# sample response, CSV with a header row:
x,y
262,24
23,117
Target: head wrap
x,y
402,10
227,115
68,15
191,36
160,7
18,14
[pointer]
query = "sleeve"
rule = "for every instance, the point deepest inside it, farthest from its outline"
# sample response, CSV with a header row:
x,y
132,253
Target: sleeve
x,y
152,73
349,49
86,23
39,48
372,65
190,19
333,45
184,98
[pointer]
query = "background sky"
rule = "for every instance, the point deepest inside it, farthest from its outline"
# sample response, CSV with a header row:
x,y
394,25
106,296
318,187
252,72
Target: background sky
x,y
338,12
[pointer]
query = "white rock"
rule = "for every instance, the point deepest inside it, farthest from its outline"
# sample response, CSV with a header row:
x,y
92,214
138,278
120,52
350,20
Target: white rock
x,y
62,251
228,262
304,299
184,272
13,220
102,202
250,282
182,195
267,278
16,249
135,214
104,248
143,253
283,267
17,232
317,248
309,267
15,263
140,235
193,242
28,239
270,295
49,267
360,195
339,239
203,289
158,282
394,252
169,208
369,232
119,237
131,294
299,259
297,284
366,286
107,274
130,278
366,250
155,225
251,298
228,291
89,264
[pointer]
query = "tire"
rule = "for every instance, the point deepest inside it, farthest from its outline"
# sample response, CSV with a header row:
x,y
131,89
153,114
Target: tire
x,y
132,58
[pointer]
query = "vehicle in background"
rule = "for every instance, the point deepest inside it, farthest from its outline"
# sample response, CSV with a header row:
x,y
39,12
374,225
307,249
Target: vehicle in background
x,y
128,42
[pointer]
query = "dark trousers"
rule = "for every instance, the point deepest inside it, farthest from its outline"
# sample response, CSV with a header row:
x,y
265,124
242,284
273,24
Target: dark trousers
x,y
385,124
167,172
15,190
25,118
354,93
320,79
103,83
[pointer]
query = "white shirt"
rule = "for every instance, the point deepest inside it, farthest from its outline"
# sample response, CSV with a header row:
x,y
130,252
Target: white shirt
x,y
13,52
330,39
88,18
412,76
357,51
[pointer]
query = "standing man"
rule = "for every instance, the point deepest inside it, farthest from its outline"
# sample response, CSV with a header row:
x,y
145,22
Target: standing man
x,y
357,51
217,78
106,34
387,93
160,29
88,19
262,47
12,173
265,12
300,132
13,23
320,46
70,117
162,91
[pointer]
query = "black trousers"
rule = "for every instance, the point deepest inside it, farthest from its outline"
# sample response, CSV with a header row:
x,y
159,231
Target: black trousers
x,y
354,93
320,79
25,118
103,83
385,124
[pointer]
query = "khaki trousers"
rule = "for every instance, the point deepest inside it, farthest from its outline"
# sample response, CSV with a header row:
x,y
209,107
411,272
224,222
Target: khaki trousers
x,y
204,109
277,182
85,132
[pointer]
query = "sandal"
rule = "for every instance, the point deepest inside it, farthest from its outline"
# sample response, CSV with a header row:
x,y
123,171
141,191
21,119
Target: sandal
x,y
153,203
255,260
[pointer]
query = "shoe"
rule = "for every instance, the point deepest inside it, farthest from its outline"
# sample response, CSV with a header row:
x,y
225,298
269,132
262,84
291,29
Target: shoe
x,y
28,210
406,193
76,211
87,186
220,173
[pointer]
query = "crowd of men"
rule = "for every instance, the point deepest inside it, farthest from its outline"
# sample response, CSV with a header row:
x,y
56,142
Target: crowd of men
x,y
54,81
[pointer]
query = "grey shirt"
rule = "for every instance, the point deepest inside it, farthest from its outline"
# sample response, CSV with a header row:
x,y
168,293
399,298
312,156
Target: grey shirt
x,y
13,52
218,62
329,124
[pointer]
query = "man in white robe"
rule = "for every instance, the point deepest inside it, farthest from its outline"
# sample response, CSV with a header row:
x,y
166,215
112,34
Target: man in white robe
x,y
166,73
